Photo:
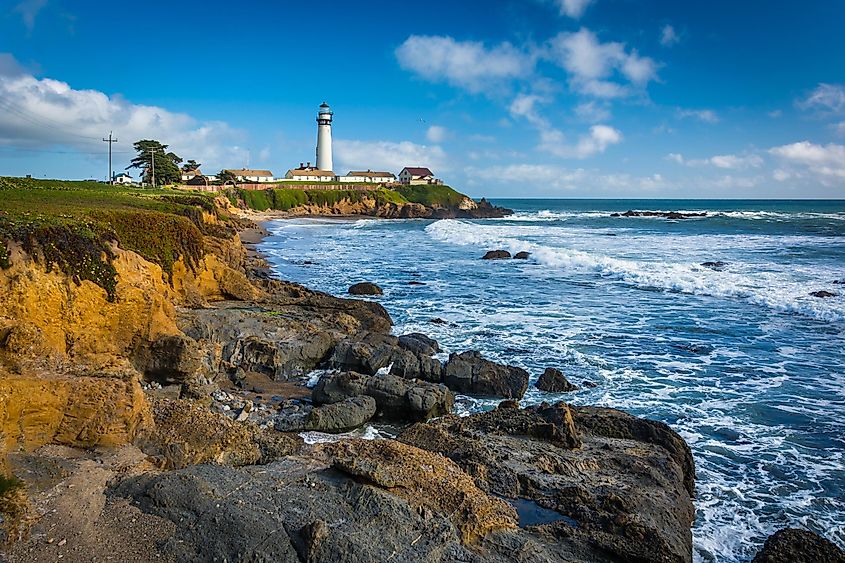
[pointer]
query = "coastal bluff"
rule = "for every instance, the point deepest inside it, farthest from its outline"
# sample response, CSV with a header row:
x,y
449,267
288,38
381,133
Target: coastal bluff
x,y
155,394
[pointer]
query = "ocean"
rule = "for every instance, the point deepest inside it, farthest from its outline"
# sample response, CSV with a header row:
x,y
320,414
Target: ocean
x,y
740,359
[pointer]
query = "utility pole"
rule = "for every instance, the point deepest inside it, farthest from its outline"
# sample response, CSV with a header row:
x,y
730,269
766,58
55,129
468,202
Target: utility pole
x,y
110,141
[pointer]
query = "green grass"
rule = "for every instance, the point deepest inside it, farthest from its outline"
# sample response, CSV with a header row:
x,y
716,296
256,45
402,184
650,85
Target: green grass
x,y
71,224
284,199
431,195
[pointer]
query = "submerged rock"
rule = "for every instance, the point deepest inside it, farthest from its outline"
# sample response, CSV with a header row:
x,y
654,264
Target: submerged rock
x,y
365,288
496,255
823,294
792,545
717,265
396,398
553,381
663,214
470,373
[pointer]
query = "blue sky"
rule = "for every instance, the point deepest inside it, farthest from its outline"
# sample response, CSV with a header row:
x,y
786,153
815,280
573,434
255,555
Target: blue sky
x,y
541,98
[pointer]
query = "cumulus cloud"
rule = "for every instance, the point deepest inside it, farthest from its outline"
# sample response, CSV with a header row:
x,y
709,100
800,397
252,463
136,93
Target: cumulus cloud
x,y
436,134
388,155
573,8
42,112
668,36
705,115
599,138
595,67
28,10
826,98
466,64
825,161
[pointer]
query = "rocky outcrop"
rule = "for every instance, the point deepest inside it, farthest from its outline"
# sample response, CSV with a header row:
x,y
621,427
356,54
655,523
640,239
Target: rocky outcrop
x,y
792,545
616,499
365,288
396,398
470,373
407,356
342,416
823,294
553,381
81,411
496,255
663,214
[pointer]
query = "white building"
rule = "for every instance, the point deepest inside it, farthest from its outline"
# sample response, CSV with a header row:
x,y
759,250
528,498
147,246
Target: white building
x,y
324,137
412,175
368,176
123,178
189,174
248,175
309,173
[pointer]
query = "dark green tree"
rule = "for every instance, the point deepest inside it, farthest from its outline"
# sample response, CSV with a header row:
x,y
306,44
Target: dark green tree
x,y
166,163
190,166
226,177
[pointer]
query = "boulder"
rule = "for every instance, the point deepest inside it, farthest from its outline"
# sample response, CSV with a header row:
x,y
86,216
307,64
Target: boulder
x,y
792,545
822,294
469,373
396,398
523,255
612,499
419,343
553,381
344,416
365,288
496,255
717,265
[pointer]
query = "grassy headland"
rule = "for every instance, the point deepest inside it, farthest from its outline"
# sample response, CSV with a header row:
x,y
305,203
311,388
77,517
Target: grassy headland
x,y
284,199
71,225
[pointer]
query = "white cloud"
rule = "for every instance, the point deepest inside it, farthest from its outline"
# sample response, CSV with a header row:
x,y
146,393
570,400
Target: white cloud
x,y
436,134
465,64
550,178
42,112
387,155
592,111
668,36
675,157
723,161
573,8
594,65
825,161
524,105
839,127
781,175
826,98
596,141
705,115
28,10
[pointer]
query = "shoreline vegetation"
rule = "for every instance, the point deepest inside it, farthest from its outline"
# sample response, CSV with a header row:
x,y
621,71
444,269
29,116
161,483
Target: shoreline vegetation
x,y
157,383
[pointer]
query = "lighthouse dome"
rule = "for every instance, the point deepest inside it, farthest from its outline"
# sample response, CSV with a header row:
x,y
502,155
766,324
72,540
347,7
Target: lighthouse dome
x,y
325,109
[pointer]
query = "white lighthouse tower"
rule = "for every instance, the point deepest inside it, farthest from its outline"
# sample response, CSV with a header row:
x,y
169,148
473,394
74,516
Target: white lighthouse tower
x,y
324,137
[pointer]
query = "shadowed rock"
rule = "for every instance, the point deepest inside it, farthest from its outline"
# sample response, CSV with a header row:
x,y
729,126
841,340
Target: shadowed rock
x,y
553,381
496,255
523,255
792,545
823,294
365,288
470,373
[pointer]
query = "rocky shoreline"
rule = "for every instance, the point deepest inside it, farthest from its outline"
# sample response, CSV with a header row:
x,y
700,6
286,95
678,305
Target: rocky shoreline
x,y
168,425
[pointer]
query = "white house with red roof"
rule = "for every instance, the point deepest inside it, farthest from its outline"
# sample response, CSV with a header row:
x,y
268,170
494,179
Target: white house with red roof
x,y
416,175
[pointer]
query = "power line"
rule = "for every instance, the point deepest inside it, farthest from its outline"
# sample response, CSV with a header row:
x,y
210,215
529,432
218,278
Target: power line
x,y
40,121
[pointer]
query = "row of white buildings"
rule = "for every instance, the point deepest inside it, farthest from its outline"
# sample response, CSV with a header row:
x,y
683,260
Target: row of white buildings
x,y
410,175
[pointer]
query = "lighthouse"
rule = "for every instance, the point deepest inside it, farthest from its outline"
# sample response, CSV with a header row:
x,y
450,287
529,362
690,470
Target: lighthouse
x,y
324,137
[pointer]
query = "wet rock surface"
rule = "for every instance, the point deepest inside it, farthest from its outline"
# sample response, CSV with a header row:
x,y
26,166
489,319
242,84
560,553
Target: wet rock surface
x,y
365,288
553,381
470,373
522,255
496,255
663,214
792,545
396,398
823,294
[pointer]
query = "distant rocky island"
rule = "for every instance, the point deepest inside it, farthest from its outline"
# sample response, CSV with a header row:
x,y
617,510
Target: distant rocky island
x,y
160,403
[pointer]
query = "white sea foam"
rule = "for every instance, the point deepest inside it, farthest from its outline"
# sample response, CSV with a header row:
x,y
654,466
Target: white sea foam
x,y
366,433
775,290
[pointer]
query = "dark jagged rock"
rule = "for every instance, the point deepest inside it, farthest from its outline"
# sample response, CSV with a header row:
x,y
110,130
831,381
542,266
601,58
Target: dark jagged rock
x,y
792,545
396,398
839,282
169,359
419,343
373,351
438,321
416,283
496,255
823,294
612,423
619,499
365,288
553,381
663,214
717,265
343,416
470,373
522,255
